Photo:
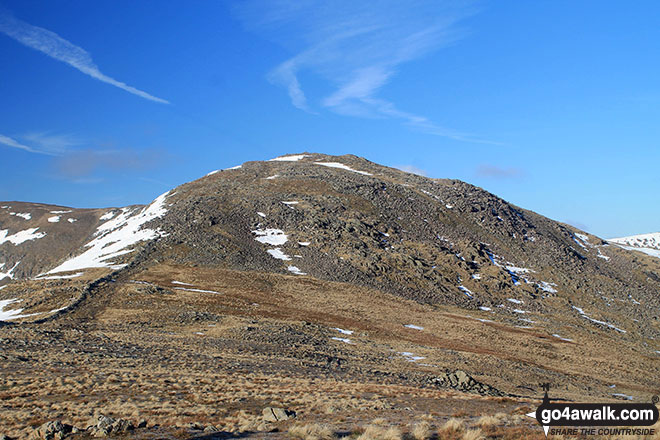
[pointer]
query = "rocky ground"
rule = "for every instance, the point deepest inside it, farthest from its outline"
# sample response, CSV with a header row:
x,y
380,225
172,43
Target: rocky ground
x,y
359,297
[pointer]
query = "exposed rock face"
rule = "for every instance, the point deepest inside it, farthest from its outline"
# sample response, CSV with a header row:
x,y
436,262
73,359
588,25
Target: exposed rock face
x,y
107,425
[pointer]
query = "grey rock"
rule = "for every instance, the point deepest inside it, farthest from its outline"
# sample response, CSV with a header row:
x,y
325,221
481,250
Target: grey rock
x,y
274,414
53,430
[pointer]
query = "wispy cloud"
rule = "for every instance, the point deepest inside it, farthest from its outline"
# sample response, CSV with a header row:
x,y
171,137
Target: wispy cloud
x,y
357,47
13,143
80,164
412,169
60,49
497,172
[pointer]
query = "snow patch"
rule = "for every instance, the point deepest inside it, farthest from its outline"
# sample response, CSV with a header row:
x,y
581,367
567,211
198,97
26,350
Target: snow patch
x,y
116,237
261,214
60,212
25,215
295,270
60,277
54,219
342,166
274,176
107,216
563,339
344,340
277,253
485,309
343,332
515,301
181,283
466,291
291,158
414,327
197,290
72,220
584,315
272,236
9,273
304,243
21,236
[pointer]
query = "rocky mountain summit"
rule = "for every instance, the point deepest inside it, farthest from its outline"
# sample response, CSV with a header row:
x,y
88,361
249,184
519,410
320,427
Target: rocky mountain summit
x,y
314,266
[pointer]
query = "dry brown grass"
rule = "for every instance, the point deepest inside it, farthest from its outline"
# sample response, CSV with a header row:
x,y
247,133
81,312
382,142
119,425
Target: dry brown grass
x,y
473,434
488,421
421,431
452,425
312,431
373,432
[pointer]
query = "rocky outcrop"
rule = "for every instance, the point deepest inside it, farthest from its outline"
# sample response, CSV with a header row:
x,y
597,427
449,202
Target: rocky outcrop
x,y
460,380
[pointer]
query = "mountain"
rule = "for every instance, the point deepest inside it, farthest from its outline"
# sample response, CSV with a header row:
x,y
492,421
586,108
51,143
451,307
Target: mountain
x,y
647,243
311,267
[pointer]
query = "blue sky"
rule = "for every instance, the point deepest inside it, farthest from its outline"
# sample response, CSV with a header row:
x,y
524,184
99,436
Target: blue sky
x,y
552,105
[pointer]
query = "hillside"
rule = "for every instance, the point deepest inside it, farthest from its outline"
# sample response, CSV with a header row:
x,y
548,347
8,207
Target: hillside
x,y
300,274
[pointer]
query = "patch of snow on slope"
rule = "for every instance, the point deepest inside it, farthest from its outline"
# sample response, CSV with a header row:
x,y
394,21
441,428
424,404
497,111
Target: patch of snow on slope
x,y
563,339
181,283
341,166
60,212
291,203
277,253
197,290
261,214
647,251
274,176
343,332
8,274
60,277
21,236
272,236
649,241
410,357
414,327
116,237
72,220
25,215
295,270
466,291
515,301
234,168
304,243
344,340
291,158
547,287
107,216
584,315
54,219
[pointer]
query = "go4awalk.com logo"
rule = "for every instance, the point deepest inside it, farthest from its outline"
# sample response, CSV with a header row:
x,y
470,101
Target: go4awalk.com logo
x,y
568,418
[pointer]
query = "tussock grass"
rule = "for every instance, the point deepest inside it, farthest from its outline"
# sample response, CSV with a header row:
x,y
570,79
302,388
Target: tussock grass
x,y
373,432
312,431
452,425
473,434
421,431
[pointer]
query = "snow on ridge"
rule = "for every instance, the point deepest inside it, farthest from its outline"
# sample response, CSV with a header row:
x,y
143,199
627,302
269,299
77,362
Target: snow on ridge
x,y
115,237
61,212
272,236
342,166
20,236
25,215
651,240
289,158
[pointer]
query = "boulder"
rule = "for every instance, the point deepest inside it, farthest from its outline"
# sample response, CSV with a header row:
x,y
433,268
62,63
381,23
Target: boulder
x,y
108,425
53,430
274,414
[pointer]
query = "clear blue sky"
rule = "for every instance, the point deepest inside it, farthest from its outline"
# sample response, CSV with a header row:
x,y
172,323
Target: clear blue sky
x,y
552,105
